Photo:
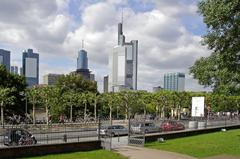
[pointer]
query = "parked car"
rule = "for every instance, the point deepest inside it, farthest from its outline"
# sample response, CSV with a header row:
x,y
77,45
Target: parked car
x,y
113,130
18,136
170,125
149,127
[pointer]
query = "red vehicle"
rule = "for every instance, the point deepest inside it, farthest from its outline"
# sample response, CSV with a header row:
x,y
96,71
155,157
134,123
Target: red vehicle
x,y
172,126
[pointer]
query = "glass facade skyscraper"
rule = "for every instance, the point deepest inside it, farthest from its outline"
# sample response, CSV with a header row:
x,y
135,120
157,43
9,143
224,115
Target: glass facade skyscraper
x,y
30,65
174,81
5,58
123,64
82,60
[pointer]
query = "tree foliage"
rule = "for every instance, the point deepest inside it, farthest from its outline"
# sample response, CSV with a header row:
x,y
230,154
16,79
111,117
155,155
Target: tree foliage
x,y
17,84
221,70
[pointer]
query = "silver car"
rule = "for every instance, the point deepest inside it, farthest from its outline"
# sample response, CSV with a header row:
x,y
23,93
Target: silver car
x,y
113,130
148,128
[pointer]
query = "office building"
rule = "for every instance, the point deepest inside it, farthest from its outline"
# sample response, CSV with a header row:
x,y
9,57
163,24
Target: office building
x,y
157,89
174,81
30,67
14,70
82,64
105,84
5,58
82,60
51,79
123,64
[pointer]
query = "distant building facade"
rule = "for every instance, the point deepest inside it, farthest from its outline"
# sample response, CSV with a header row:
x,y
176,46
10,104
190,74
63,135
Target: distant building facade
x,y
105,84
82,65
157,89
51,79
5,58
82,60
92,77
30,67
123,64
14,70
174,81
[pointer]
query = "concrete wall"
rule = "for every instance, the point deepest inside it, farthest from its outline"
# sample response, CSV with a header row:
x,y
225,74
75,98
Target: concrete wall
x,y
37,150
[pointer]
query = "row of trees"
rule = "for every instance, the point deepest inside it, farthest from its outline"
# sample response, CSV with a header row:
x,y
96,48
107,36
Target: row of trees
x,y
123,104
74,97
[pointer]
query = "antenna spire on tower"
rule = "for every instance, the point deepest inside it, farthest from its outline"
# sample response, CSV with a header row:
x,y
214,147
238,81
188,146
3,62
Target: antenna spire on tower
x,y
122,15
82,44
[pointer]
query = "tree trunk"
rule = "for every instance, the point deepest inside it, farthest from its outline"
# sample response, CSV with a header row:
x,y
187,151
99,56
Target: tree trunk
x,y
71,113
110,114
179,113
95,109
47,115
34,118
163,112
2,118
85,111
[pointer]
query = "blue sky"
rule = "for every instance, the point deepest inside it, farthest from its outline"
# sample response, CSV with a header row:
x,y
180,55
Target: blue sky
x,y
169,34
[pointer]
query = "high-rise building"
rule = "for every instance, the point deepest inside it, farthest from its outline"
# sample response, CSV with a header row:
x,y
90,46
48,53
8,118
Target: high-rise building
x,y
51,79
5,58
105,84
174,81
14,70
82,60
123,64
30,61
82,64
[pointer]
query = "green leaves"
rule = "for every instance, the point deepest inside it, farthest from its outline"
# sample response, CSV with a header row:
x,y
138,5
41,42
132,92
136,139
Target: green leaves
x,y
221,69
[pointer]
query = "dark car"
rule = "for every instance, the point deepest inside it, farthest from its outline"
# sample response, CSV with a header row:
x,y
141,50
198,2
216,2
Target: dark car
x,y
17,136
170,125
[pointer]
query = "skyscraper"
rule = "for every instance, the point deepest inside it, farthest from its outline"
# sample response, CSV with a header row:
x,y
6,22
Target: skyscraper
x,y
123,64
30,61
82,60
5,58
82,64
174,81
14,70
105,84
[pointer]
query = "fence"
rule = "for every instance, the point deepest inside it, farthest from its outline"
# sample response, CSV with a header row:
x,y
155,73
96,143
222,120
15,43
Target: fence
x,y
87,131
17,135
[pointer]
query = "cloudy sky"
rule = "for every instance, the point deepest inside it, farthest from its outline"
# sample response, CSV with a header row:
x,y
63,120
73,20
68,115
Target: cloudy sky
x,y
169,34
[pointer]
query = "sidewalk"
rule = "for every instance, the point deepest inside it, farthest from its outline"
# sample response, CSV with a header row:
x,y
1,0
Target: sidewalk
x,y
145,153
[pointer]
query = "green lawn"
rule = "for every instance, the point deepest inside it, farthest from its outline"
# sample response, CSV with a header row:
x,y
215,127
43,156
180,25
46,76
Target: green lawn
x,y
203,145
98,154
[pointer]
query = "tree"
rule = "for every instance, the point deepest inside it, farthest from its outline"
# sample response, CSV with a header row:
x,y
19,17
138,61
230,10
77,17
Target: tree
x,y
221,70
34,96
17,84
76,83
5,99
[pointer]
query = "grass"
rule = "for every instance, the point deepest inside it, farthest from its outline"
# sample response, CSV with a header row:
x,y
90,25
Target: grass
x,y
206,145
98,154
